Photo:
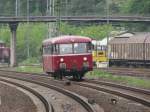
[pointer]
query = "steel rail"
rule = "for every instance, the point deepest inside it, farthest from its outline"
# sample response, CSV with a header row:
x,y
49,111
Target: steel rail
x,y
115,92
48,107
74,96
142,91
143,73
130,97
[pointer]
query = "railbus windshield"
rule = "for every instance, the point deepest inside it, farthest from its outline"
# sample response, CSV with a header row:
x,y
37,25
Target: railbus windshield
x,y
65,48
73,48
80,48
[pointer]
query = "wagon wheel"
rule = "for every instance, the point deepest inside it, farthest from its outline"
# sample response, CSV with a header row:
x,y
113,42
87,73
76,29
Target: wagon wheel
x,y
58,75
49,74
55,76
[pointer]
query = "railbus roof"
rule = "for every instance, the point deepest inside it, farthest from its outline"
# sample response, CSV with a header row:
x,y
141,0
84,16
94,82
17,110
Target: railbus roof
x,y
66,39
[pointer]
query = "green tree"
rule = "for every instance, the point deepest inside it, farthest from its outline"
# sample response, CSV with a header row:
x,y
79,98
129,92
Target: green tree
x,y
136,7
139,8
95,31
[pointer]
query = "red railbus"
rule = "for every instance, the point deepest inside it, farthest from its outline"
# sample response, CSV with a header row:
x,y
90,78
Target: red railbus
x,y
67,56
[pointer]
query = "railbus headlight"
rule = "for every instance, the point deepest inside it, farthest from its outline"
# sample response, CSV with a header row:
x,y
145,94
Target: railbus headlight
x,y
61,59
85,58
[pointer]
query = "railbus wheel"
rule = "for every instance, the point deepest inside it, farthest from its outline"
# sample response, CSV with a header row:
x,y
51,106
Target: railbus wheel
x,y
74,76
81,76
55,76
60,76
77,77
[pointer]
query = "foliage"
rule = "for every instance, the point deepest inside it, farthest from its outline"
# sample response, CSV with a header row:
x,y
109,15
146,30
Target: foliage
x,y
94,31
139,7
76,7
27,35
5,34
31,36
36,7
67,7
31,60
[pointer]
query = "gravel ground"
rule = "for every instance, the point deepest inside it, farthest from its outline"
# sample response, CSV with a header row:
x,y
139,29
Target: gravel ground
x,y
104,100
12,100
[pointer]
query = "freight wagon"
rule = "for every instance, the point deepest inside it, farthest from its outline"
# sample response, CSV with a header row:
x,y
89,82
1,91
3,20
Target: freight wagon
x,y
4,53
130,51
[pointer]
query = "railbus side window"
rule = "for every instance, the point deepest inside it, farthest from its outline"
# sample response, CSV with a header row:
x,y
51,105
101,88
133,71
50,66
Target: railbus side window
x,y
44,49
55,49
89,47
47,49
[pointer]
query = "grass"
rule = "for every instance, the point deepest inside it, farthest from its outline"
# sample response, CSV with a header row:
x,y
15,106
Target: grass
x,y
132,81
31,69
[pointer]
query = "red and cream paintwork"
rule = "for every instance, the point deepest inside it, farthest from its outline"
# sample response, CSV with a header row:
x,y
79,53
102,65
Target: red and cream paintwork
x,y
73,61
4,53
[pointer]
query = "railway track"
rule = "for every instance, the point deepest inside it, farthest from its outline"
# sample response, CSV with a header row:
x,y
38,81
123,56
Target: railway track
x,y
138,95
48,106
135,94
77,98
136,72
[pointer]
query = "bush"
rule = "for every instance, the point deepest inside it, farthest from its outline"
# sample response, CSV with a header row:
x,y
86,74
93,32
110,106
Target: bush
x,y
31,60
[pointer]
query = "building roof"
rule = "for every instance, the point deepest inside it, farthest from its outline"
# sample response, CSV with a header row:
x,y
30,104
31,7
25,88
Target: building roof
x,y
137,38
104,41
126,35
119,40
140,38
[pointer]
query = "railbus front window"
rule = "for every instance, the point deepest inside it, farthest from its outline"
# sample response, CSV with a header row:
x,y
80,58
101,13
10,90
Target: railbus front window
x,y
89,47
80,48
65,48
